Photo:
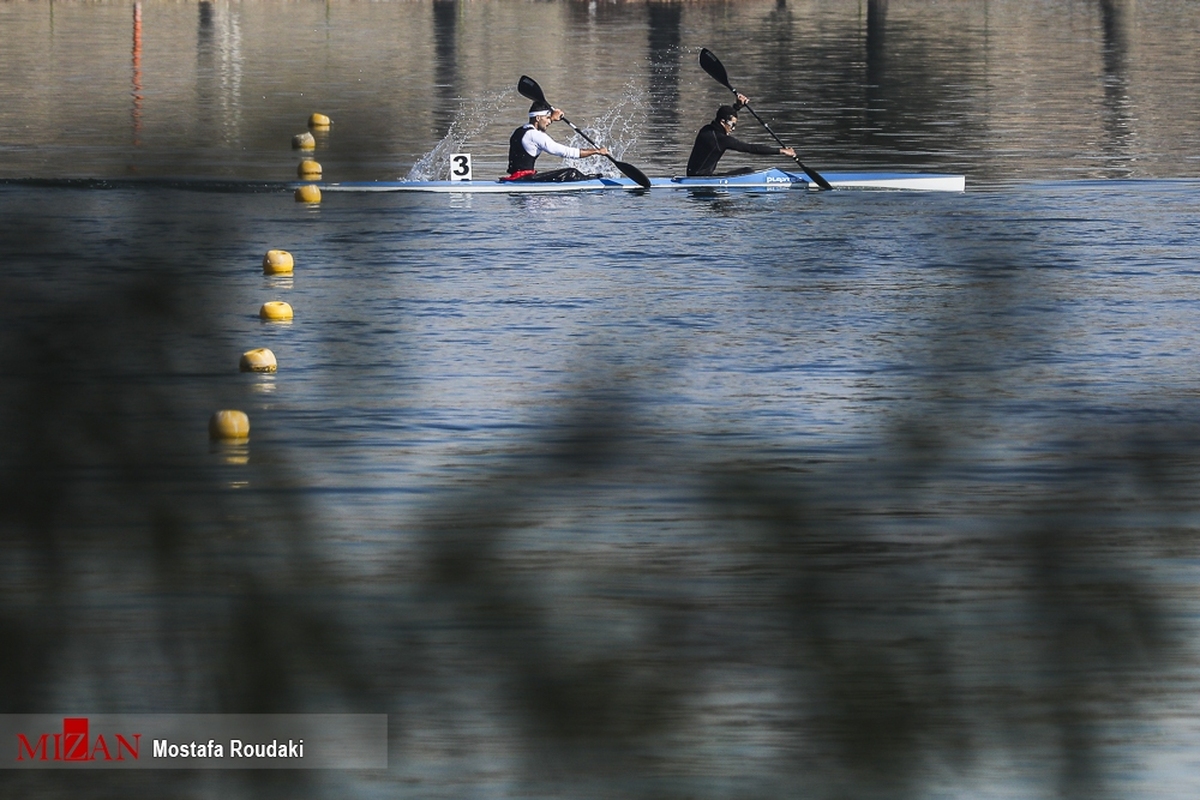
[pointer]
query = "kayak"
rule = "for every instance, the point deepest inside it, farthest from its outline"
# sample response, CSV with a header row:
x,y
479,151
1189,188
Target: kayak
x,y
768,179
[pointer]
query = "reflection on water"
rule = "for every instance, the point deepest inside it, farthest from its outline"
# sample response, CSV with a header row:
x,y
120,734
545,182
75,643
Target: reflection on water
x,y
1001,91
137,74
219,65
445,33
876,53
1119,123
665,52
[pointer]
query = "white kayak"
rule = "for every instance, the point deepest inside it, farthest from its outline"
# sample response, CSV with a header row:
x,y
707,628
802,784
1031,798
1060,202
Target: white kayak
x,y
768,179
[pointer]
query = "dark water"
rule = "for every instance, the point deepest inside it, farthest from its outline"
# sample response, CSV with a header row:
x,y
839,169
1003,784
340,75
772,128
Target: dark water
x,y
792,494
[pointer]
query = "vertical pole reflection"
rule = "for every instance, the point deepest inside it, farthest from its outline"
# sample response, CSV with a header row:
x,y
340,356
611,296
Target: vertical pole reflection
x,y
1118,117
445,43
219,67
204,54
875,55
875,99
664,41
204,32
1116,39
137,74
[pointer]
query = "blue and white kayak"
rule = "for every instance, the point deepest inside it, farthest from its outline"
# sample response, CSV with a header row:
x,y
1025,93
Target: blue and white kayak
x,y
768,179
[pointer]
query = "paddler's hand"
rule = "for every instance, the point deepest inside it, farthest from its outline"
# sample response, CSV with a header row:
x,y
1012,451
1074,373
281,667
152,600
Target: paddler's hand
x,y
742,100
787,151
556,114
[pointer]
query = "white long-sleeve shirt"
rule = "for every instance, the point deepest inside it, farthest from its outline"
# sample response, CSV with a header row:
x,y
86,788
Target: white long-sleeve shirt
x,y
536,142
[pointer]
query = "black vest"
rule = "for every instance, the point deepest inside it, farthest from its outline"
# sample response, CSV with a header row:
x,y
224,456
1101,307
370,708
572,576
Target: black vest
x,y
518,159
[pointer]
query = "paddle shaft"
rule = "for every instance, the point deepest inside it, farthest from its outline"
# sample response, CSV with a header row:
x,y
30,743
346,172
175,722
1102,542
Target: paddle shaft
x,y
812,173
753,113
629,169
586,138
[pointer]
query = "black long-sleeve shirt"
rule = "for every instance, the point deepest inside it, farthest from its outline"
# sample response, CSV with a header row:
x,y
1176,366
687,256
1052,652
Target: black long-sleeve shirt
x,y
711,143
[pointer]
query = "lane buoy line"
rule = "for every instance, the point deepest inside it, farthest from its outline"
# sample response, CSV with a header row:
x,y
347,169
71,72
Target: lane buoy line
x,y
232,424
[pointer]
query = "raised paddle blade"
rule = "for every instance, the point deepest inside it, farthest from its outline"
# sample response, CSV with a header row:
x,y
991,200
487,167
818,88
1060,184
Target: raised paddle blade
x,y
713,66
528,87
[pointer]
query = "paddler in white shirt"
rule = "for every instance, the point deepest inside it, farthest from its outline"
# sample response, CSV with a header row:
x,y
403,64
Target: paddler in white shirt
x,y
531,140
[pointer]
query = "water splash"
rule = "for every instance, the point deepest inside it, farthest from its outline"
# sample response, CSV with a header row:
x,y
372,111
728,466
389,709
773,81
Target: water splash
x,y
617,130
474,116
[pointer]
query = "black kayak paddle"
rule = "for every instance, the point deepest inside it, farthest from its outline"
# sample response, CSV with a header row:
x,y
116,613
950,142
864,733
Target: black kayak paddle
x,y
529,88
713,66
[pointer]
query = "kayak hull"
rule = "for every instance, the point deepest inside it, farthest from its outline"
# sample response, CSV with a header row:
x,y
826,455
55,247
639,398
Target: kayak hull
x,y
770,179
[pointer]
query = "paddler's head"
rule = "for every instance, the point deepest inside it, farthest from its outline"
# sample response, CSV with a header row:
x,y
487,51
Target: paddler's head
x,y
541,114
727,117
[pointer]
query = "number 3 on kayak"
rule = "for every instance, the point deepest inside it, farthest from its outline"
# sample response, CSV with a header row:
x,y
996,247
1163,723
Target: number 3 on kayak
x,y
460,167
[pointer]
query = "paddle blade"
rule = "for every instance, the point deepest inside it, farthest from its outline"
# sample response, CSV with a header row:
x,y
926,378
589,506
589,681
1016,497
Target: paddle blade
x,y
528,87
713,66
815,176
635,174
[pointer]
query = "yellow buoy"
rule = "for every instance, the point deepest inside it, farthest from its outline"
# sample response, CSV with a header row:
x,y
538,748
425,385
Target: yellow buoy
x,y
260,359
303,141
309,169
308,194
278,262
319,121
228,425
275,310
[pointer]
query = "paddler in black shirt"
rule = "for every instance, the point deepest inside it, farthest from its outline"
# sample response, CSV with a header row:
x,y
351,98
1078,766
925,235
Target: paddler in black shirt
x,y
717,136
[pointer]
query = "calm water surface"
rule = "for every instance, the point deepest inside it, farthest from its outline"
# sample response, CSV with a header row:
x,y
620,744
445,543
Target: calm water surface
x,y
608,495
